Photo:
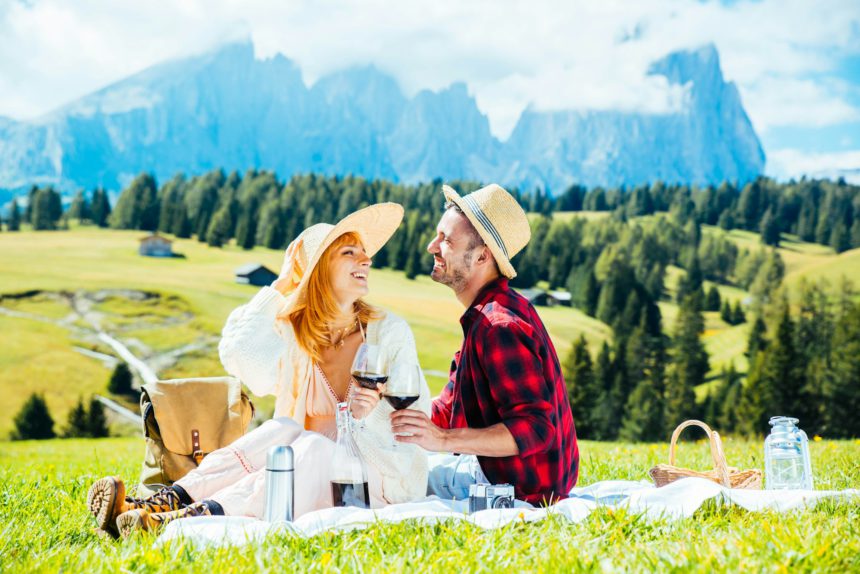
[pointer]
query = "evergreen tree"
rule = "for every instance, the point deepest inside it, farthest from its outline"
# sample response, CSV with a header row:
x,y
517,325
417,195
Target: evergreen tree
x,y
97,423
644,414
219,227
137,206
726,313
757,340
120,380
592,294
604,374
47,209
246,227
712,301
784,369
690,365
31,200
755,400
77,425
738,315
691,285
842,392
582,389
14,221
271,227
646,363
840,238
80,208
855,233
100,209
170,199
33,421
180,226
727,400
769,229
749,206
726,221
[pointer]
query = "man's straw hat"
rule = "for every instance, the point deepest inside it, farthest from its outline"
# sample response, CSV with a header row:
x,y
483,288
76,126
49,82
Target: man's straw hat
x,y
499,220
374,225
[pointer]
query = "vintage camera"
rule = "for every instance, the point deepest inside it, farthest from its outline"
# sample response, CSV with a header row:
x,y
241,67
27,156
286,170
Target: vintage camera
x,y
484,496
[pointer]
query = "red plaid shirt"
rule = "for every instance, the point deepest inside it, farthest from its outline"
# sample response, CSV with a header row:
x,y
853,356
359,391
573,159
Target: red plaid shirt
x,y
507,371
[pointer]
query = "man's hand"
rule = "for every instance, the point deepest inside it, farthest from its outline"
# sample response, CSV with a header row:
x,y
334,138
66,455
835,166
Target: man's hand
x,y
424,433
364,401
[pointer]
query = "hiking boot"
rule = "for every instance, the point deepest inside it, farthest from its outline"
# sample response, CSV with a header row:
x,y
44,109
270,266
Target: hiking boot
x,y
142,520
106,500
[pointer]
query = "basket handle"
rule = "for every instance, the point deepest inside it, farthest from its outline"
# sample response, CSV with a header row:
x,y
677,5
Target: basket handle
x,y
717,455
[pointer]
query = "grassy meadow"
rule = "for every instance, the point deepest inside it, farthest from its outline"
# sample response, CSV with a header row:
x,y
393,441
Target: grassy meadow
x,y
46,527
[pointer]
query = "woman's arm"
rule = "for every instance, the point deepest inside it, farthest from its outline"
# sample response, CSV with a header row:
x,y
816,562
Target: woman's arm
x,y
254,345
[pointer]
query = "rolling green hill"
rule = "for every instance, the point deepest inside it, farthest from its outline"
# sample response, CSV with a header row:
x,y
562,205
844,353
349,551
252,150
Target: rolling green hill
x,y
36,355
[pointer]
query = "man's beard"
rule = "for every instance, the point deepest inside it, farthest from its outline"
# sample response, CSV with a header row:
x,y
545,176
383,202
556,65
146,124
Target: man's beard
x,y
454,277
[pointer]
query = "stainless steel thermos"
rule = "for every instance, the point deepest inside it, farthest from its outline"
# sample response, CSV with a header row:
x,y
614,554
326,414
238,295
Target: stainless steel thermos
x,y
280,484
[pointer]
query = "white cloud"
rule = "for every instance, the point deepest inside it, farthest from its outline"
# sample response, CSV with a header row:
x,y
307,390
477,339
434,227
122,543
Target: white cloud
x,y
794,163
577,54
780,101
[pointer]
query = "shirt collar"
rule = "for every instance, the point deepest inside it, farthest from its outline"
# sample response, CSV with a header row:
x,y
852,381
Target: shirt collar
x,y
484,295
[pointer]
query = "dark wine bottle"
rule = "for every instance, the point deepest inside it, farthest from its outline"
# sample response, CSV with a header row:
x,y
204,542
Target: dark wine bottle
x,y
400,402
369,380
348,471
350,494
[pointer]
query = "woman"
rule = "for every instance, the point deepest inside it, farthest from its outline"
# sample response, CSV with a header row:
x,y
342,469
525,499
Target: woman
x,y
297,340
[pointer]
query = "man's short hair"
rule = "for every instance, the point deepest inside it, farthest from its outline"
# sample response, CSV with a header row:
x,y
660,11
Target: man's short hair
x,y
475,239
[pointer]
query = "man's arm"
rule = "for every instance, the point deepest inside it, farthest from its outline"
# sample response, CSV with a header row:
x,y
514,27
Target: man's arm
x,y
495,440
440,409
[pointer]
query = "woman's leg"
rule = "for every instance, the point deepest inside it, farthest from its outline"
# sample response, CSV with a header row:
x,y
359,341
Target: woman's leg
x,y
245,457
313,459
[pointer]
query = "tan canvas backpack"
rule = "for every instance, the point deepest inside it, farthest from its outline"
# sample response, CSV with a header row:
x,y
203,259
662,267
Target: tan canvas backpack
x,y
186,419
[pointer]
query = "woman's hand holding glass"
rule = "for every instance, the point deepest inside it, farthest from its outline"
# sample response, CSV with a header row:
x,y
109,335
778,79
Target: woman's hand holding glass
x,y
364,401
370,371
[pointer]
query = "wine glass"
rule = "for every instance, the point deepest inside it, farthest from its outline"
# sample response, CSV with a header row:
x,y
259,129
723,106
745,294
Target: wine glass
x,y
404,387
370,366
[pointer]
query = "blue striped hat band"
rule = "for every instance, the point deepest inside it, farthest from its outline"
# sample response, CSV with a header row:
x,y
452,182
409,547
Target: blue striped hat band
x,y
485,221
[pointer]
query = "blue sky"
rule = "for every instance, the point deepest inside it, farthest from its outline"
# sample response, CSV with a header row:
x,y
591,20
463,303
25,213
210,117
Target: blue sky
x,y
796,63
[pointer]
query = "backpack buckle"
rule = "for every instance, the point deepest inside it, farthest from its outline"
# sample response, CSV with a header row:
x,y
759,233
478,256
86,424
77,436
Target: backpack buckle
x,y
197,454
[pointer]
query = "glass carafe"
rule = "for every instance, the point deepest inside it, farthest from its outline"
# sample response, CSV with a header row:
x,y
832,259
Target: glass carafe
x,y
348,471
786,456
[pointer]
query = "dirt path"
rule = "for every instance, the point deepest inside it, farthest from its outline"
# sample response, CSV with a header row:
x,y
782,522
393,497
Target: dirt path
x,y
83,311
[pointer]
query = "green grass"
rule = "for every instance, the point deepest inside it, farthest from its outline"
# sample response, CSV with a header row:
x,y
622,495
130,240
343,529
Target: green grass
x,y
37,357
46,527
831,269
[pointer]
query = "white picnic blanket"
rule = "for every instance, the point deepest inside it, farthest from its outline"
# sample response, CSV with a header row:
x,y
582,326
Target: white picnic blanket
x,y
673,502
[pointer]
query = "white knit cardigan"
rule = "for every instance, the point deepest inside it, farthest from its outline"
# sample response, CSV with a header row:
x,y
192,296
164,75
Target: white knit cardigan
x,y
262,352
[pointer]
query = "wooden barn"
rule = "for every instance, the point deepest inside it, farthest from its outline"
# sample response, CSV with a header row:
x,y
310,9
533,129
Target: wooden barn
x,y
154,245
255,274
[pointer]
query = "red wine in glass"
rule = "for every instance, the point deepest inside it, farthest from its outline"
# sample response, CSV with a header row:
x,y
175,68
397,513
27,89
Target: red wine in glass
x,y
350,494
369,380
400,402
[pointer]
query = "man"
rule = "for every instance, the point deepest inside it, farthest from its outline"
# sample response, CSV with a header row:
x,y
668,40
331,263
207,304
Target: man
x,y
505,409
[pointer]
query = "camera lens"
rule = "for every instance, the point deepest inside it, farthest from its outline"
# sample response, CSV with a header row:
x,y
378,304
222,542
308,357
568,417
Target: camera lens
x,y
503,502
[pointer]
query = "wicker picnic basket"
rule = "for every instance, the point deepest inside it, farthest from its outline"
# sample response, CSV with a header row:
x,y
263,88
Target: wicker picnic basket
x,y
663,474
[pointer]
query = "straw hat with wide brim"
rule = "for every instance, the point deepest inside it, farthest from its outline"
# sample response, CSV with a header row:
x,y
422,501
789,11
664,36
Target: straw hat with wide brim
x,y
499,220
374,225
